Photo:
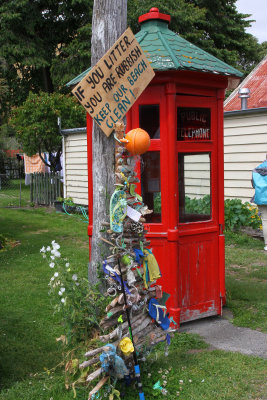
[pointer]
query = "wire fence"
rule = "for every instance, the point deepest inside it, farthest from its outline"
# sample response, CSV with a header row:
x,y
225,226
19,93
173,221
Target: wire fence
x,y
13,191
41,188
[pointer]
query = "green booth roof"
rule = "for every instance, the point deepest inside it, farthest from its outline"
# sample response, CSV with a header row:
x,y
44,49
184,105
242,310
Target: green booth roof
x,y
167,51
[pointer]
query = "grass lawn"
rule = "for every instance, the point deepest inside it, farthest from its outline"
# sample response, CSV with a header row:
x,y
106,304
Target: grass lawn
x,y
246,280
28,328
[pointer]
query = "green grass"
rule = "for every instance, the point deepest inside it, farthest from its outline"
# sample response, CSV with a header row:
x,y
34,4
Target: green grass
x,y
246,280
10,194
204,375
28,328
190,368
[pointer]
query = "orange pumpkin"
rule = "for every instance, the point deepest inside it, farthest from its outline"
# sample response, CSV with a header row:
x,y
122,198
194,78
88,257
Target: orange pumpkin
x,y
137,141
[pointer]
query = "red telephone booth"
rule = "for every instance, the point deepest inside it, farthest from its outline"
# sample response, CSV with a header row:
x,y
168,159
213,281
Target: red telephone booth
x,y
182,173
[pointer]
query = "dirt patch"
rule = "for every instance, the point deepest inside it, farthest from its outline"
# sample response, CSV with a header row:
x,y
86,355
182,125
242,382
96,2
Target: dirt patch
x,y
7,243
260,264
236,266
39,231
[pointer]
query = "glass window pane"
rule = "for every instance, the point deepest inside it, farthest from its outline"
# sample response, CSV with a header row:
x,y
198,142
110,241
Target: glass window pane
x,y
149,120
193,124
150,183
194,187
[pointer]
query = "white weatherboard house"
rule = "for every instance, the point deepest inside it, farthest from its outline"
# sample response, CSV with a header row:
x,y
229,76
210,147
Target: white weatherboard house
x,y
75,165
245,133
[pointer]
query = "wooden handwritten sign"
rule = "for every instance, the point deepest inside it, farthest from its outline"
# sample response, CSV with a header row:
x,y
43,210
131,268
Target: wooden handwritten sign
x,y
109,90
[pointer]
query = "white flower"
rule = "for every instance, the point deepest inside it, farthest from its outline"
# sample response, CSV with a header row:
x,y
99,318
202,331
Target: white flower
x,y
60,293
74,277
44,256
55,253
63,300
181,381
62,289
190,380
52,257
52,279
55,245
77,284
56,274
67,265
48,248
42,250
51,265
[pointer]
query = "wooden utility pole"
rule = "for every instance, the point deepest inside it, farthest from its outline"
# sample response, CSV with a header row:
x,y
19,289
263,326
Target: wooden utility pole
x,y
109,22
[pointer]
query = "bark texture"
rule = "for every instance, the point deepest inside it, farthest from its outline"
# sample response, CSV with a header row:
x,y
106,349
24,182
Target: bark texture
x,y
109,22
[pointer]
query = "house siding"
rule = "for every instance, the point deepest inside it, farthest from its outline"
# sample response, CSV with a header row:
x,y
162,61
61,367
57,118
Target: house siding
x,y
76,173
245,147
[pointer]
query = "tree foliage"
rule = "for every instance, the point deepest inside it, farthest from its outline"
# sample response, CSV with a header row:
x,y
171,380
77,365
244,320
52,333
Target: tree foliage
x,y
34,34
215,26
45,43
35,122
186,18
225,34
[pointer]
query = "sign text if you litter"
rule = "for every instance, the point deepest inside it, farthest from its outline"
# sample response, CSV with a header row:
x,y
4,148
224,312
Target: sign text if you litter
x,y
109,90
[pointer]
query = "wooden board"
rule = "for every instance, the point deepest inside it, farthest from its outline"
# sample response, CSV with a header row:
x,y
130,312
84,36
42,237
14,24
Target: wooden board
x,y
112,86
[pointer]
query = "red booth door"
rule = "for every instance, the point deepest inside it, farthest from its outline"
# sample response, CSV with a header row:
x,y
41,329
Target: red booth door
x,y
198,204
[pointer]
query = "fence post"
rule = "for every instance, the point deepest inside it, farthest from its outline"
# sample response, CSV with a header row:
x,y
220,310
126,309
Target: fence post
x,y
31,187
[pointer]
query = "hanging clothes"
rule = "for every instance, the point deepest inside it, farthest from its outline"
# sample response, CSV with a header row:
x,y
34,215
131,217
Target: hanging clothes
x,y
151,268
33,164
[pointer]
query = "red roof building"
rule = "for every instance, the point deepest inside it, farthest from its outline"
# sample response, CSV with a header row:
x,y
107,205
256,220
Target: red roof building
x,y
256,82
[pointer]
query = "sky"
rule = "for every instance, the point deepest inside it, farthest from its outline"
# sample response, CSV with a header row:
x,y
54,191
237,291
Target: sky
x,y
258,9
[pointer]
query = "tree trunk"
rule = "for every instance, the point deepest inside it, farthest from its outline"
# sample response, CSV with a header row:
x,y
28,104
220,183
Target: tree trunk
x,y
109,22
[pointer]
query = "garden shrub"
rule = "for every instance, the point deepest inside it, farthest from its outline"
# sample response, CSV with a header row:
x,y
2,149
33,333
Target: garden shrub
x,y
236,213
197,206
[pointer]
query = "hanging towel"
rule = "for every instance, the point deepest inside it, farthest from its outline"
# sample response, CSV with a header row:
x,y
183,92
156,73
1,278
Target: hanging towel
x,y
33,164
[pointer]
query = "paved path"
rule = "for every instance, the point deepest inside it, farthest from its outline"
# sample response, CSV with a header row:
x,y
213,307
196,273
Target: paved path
x,y
221,334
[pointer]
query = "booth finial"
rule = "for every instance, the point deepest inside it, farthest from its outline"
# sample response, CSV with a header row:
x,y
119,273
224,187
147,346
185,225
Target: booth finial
x,y
154,14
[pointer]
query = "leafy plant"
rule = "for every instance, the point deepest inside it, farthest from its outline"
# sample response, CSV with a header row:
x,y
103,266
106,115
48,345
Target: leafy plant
x,y
197,206
78,303
238,214
69,202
